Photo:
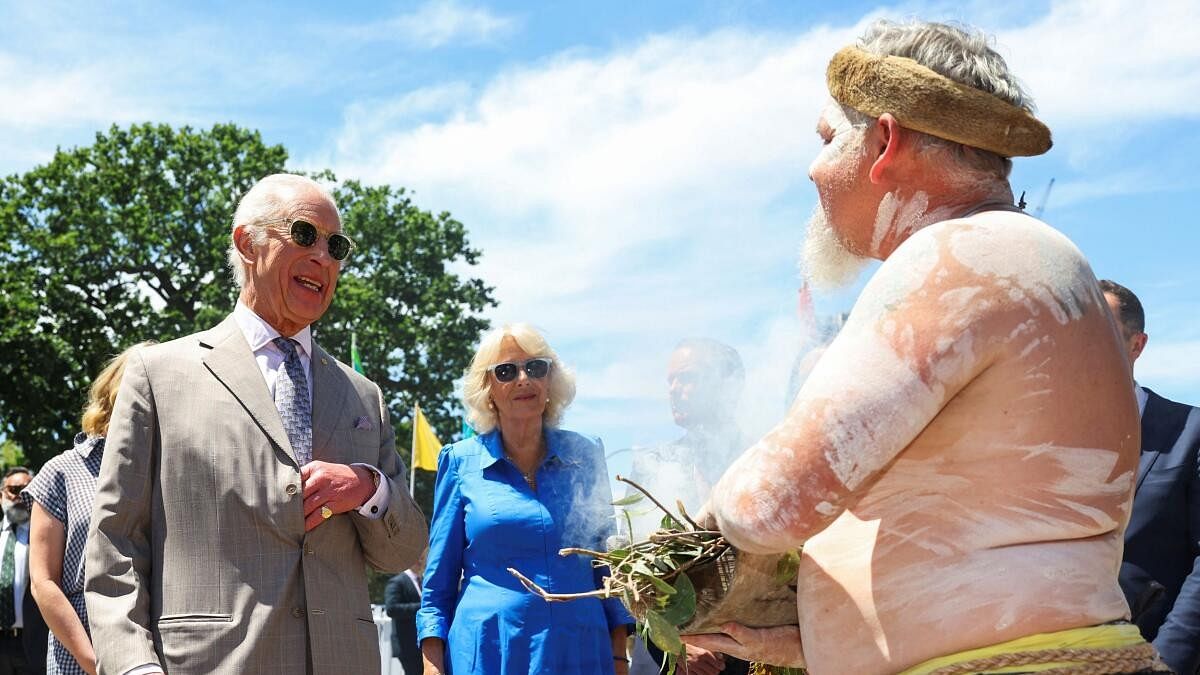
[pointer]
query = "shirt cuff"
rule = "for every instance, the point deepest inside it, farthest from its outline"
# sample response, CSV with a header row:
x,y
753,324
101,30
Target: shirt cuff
x,y
146,669
377,505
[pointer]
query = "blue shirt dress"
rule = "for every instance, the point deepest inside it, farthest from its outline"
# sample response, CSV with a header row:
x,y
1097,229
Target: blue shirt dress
x,y
486,519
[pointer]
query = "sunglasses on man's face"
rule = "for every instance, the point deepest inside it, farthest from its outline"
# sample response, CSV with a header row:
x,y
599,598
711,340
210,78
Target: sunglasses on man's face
x,y
305,235
536,369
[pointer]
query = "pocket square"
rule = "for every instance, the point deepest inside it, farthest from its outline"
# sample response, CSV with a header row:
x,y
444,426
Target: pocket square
x,y
363,423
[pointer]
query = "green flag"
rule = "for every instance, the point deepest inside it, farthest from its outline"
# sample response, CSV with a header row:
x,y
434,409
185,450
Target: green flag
x,y
355,360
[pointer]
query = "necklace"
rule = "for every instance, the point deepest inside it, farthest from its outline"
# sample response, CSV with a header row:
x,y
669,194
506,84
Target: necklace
x,y
529,476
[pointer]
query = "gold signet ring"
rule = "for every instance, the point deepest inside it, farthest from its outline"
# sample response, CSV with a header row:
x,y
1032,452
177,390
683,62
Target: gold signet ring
x,y
326,512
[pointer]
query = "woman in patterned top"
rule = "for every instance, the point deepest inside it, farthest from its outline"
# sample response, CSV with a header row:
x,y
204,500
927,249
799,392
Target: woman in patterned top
x,y
62,503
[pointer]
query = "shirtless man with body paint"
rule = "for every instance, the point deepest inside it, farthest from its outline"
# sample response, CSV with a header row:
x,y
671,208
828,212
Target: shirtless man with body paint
x,y
959,465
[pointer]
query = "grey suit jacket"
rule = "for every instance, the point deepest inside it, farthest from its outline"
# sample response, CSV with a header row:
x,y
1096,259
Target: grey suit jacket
x,y
197,557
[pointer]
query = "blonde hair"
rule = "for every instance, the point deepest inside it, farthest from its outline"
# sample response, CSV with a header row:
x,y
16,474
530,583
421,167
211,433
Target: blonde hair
x,y
103,394
477,383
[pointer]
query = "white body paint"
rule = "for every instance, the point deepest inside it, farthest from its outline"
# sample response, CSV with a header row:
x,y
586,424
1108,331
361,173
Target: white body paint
x,y
959,465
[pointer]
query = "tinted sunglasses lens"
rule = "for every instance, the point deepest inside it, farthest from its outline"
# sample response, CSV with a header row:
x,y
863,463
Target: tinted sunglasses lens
x,y
537,368
339,246
304,233
505,372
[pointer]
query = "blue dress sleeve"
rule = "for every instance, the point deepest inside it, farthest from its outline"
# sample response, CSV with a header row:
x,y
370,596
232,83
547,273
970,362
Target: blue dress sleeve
x,y
447,539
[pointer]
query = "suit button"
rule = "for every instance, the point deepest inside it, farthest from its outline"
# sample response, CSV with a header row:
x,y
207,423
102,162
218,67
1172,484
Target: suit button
x,y
298,613
291,489
374,509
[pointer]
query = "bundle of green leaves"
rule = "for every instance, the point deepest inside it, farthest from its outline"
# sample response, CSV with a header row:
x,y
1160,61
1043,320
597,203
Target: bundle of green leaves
x,y
651,576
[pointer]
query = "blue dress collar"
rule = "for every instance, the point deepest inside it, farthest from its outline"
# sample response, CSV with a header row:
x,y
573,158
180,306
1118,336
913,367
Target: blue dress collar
x,y
492,442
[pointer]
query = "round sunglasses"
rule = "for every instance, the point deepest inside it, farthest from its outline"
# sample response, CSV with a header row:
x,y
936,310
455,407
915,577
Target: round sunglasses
x,y
305,235
536,369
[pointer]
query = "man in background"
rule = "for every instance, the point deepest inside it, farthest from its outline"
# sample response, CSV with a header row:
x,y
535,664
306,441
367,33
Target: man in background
x,y
401,600
22,630
704,383
1159,573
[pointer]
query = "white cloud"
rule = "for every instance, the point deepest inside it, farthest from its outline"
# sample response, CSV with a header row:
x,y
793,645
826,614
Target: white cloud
x,y
437,24
1172,365
619,185
1105,62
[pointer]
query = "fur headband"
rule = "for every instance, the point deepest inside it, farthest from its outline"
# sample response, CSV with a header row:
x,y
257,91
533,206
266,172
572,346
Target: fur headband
x,y
927,101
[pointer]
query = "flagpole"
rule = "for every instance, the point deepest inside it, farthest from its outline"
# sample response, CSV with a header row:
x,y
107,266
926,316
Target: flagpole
x,y
412,465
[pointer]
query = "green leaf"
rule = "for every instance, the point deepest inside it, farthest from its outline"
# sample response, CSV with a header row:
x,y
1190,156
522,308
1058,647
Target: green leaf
x,y
661,586
682,604
669,523
629,499
787,568
662,633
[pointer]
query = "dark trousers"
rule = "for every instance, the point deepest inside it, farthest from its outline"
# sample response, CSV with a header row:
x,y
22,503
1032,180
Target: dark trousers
x,y
12,655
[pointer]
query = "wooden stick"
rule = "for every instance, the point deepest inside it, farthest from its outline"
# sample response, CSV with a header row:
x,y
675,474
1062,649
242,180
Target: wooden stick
x,y
555,597
648,495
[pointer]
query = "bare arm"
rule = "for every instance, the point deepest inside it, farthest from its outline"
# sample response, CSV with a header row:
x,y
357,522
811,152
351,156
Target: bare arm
x,y
47,544
619,636
922,329
433,655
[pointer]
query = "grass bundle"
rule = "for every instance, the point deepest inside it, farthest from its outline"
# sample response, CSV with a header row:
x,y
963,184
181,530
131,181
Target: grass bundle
x,y
654,578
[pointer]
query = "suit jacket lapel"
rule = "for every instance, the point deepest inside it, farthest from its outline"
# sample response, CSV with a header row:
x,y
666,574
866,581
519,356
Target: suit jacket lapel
x,y
329,397
1160,428
232,362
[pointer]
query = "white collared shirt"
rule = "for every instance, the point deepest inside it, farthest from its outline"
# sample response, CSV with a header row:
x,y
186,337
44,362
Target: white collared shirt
x,y
21,566
1142,397
260,335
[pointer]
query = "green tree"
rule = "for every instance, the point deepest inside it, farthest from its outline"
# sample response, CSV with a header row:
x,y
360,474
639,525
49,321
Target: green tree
x,y
124,240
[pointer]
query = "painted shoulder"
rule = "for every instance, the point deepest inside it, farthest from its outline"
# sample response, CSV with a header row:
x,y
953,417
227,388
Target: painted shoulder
x,y
1012,258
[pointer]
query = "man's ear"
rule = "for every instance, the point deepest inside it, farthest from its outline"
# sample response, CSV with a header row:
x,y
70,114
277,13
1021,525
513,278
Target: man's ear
x,y
1136,344
886,140
243,239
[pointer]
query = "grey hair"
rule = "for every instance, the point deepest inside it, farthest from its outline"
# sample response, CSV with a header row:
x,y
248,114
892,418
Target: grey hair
x,y
962,54
267,200
477,383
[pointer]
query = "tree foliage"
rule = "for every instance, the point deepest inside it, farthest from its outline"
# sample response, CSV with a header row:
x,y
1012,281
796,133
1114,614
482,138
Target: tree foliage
x,y
124,240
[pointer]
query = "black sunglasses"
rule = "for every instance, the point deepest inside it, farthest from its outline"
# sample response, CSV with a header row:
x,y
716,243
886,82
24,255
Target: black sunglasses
x,y
536,369
305,235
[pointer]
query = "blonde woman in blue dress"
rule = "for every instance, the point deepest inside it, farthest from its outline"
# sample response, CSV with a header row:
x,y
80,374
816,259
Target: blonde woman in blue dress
x,y
512,497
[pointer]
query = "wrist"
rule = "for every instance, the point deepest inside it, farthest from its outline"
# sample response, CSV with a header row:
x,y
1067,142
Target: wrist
x,y
369,480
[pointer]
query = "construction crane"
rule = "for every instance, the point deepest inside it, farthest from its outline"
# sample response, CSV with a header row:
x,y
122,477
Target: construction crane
x,y
1037,212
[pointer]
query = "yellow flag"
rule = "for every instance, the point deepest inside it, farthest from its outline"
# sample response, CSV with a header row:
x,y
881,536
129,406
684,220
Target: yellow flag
x,y
425,446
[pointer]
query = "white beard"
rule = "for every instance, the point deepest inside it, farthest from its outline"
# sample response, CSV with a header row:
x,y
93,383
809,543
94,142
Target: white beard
x,y
824,260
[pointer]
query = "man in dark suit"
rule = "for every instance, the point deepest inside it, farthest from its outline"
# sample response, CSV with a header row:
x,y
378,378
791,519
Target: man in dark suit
x,y
402,599
1160,573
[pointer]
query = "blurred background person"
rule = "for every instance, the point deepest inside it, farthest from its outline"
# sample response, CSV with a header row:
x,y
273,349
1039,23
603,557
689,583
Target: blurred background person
x,y
512,497
22,631
705,379
401,600
61,498
1160,569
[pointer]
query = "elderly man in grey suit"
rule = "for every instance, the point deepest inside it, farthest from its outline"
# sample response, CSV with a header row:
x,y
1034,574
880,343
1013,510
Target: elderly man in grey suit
x,y
249,477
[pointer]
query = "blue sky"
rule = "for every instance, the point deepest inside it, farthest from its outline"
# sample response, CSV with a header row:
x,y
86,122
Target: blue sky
x,y
635,172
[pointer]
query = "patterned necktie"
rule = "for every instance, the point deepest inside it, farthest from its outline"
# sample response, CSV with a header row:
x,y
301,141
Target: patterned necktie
x,y
291,398
8,569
